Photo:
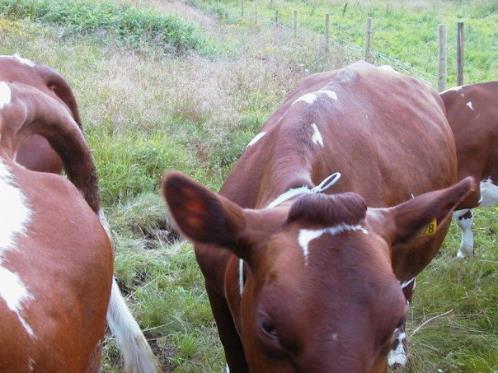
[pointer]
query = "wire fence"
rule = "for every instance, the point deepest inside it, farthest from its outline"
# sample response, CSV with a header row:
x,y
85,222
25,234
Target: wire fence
x,y
434,71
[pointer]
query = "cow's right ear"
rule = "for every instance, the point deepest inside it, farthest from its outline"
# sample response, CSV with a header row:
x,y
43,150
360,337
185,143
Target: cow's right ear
x,y
201,215
418,217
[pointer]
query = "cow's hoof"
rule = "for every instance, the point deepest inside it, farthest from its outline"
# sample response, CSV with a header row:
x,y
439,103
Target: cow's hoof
x,y
464,252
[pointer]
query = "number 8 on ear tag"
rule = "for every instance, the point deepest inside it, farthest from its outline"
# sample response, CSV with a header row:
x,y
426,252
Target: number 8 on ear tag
x,y
430,229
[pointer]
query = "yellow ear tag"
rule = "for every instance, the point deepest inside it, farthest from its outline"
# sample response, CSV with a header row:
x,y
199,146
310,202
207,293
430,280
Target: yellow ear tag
x,y
430,229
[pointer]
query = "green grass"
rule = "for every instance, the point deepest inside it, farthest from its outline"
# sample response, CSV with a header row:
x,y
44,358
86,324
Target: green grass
x,y
405,33
145,111
465,340
127,24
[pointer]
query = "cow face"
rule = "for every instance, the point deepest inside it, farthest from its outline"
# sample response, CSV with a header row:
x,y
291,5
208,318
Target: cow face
x,y
319,290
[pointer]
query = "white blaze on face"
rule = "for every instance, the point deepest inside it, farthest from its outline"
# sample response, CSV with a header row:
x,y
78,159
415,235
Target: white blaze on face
x,y
5,95
317,136
310,98
256,139
304,239
469,104
14,217
305,236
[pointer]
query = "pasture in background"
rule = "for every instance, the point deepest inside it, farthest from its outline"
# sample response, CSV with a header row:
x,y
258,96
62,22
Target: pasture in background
x,y
191,96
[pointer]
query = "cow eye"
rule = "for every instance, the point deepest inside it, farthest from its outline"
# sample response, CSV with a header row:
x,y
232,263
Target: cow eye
x,y
268,327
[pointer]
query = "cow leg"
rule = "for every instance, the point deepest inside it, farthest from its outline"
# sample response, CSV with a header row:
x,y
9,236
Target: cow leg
x,y
398,356
489,193
234,353
464,219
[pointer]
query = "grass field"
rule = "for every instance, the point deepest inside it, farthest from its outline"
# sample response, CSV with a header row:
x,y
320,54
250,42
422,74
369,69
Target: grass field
x,y
170,85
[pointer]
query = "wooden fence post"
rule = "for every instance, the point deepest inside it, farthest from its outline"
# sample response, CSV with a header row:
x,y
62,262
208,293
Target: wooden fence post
x,y
295,23
327,29
276,17
242,8
368,40
442,58
460,43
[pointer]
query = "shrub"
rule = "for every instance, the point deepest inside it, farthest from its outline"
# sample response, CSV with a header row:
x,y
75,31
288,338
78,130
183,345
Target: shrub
x,y
128,24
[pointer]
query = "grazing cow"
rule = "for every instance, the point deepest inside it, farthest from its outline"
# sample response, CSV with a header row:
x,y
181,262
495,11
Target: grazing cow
x,y
35,153
472,112
36,85
300,280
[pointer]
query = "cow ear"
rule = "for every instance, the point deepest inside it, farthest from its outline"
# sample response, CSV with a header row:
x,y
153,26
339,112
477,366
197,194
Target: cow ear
x,y
201,215
420,216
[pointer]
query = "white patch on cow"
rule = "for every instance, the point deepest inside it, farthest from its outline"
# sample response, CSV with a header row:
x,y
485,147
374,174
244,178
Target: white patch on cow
x,y
310,98
469,104
331,94
241,276
24,61
307,235
13,222
256,139
31,364
388,68
398,355
15,294
489,197
467,242
135,350
227,369
5,95
406,283
304,239
457,88
489,193
317,136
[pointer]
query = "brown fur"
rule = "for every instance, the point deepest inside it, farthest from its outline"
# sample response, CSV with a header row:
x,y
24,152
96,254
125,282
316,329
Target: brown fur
x,y
322,209
475,133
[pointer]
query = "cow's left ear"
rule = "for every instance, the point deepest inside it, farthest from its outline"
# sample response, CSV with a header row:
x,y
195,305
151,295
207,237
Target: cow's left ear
x,y
203,216
420,216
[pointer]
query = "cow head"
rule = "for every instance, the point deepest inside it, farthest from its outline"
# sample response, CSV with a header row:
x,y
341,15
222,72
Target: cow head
x,y
320,293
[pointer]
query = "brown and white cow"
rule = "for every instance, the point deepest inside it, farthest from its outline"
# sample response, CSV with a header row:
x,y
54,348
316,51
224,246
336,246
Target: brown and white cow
x,y
32,98
472,113
55,256
319,285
